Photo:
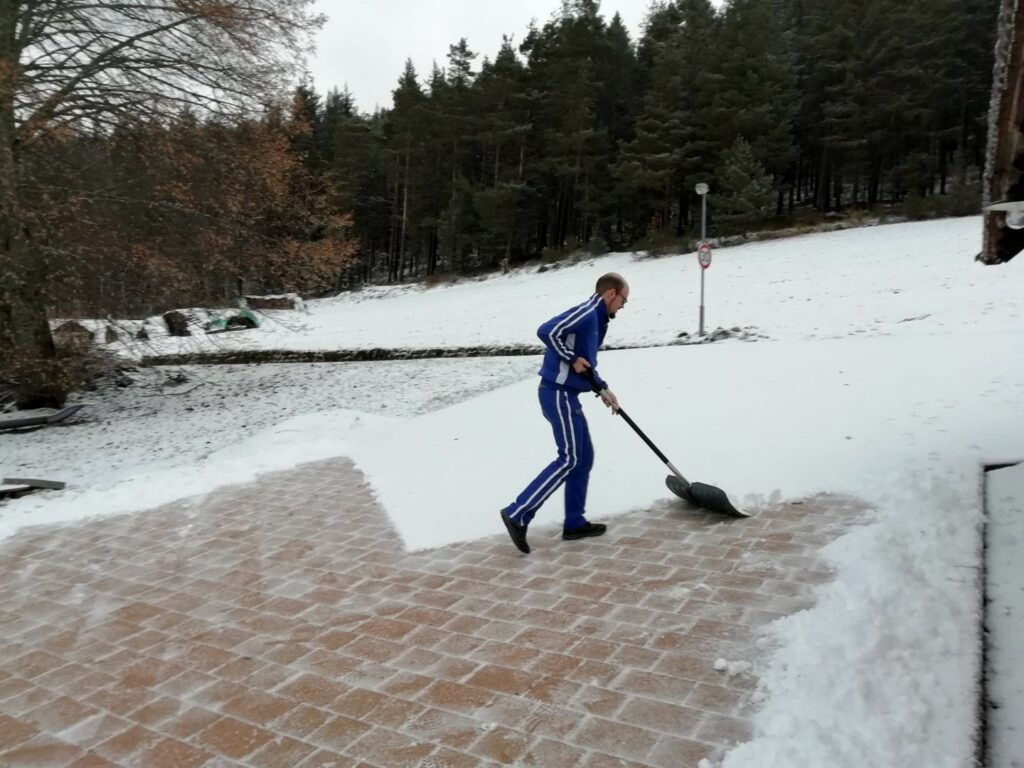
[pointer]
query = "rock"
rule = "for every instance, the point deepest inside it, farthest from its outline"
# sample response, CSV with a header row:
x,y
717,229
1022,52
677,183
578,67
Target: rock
x,y
283,301
72,336
177,325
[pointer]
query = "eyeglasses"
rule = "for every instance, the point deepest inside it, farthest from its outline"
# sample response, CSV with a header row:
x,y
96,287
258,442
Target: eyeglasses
x,y
624,299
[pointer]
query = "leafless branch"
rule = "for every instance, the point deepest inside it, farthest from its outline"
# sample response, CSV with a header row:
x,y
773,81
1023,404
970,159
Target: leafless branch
x,y
90,63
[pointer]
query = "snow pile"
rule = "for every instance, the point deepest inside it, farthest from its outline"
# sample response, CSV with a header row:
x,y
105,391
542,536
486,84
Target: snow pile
x,y
883,670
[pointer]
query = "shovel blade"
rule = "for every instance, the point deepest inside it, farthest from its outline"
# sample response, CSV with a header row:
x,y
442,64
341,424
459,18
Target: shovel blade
x,y
681,489
714,499
703,495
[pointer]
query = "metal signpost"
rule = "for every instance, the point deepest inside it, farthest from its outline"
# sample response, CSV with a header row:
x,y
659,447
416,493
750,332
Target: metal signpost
x,y
704,251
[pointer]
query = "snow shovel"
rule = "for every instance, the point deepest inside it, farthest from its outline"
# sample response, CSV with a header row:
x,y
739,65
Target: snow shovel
x,y
699,494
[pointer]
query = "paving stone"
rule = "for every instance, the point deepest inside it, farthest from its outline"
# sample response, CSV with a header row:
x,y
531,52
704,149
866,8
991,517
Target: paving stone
x,y
289,627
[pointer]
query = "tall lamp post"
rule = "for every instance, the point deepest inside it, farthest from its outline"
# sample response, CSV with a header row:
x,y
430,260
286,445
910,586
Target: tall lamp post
x,y
704,250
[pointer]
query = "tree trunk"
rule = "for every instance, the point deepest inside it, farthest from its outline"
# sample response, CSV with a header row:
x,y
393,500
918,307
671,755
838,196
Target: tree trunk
x,y
811,183
405,217
943,168
798,184
432,248
27,355
393,221
683,194
824,197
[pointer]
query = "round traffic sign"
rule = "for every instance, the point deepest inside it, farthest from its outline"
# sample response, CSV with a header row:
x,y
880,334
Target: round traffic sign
x,y
704,255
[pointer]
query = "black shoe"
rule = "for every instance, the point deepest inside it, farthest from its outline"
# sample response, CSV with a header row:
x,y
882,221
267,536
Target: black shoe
x,y
584,531
517,532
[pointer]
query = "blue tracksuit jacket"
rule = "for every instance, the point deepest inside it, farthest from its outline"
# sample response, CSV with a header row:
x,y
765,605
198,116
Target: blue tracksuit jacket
x,y
577,332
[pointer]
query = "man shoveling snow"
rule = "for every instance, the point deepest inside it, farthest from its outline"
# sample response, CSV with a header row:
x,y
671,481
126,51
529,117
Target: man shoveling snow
x,y
571,342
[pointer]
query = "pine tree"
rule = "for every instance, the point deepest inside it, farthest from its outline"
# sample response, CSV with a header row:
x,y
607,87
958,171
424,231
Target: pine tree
x,y
573,150
404,132
338,107
756,94
660,26
831,34
357,178
744,187
651,165
623,77
501,194
674,145
436,167
458,119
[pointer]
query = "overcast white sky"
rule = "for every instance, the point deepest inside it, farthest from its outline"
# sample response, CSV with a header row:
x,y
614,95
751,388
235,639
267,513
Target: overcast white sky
x,y
365,42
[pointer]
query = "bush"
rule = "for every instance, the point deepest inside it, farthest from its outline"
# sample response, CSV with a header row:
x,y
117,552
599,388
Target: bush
x,y
962,200
917,207
551,255
439,278
597,246
663,242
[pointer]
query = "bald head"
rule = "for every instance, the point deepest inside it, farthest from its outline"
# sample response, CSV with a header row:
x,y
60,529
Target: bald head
x,y
610,280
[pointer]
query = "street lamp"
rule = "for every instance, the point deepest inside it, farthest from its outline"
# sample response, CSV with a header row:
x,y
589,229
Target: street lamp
x,y
702,190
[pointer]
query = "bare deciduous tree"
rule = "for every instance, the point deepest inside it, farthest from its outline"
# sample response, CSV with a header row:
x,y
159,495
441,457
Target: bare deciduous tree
x,y
74,66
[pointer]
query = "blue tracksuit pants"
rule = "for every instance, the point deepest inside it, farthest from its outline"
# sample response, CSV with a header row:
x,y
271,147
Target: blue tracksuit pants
x,y
563,411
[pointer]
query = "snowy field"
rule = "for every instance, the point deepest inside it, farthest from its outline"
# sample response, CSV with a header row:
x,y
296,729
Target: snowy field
x,y
892,367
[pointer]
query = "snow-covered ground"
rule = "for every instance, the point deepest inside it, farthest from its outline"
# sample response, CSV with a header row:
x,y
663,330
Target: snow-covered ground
x,y
893,367
125,450
888,280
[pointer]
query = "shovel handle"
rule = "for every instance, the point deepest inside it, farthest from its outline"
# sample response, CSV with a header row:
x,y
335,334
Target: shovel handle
x,y
588,374
646,439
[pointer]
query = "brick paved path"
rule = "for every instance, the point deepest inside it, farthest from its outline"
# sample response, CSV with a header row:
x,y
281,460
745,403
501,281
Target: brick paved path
x,y
281,624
